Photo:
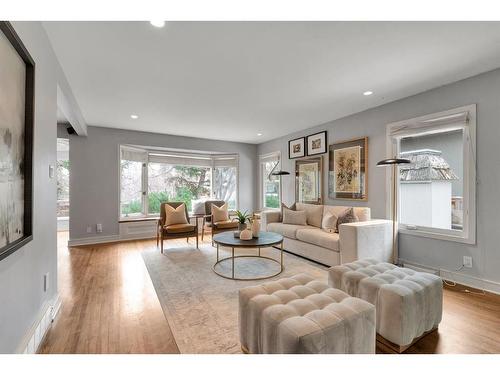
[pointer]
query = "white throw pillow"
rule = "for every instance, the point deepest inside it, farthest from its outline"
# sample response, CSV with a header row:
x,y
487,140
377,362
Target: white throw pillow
x,y
175,215
220,213
329,223
294,217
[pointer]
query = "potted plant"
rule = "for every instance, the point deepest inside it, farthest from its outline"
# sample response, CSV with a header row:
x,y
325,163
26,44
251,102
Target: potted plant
x,y
242,218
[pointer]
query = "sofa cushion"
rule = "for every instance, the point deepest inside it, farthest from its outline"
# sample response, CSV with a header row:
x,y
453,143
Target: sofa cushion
x,y
287,230
319,237
294,217
363,213
314,213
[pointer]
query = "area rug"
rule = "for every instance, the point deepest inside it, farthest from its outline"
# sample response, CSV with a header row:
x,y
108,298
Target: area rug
x,y
202,307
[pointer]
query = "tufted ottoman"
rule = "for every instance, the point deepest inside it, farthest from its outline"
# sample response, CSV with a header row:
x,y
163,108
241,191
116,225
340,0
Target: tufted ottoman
x,y
301,315
409,304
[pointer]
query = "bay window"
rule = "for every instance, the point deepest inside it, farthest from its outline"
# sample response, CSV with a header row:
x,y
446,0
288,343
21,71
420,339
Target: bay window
x,y
168,176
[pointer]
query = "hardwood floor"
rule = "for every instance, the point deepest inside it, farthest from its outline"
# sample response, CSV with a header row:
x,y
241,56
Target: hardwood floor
x,y
110,306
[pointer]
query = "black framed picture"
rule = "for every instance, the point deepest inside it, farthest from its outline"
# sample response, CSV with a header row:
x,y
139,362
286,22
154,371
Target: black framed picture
x,y
316,144
17,79
297,148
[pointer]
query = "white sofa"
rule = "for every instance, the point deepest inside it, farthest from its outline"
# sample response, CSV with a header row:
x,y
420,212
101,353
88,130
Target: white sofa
x,y
366,238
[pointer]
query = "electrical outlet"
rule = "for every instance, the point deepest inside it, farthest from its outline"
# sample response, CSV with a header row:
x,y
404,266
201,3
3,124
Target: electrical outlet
x,y
467,262
46,284
89,229
98,228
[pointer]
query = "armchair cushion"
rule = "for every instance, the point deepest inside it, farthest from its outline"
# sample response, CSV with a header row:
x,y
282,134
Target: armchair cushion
x,y
175,215
220,213
226,224
180,228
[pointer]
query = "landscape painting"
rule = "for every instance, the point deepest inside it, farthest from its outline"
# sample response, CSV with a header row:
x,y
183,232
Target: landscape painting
x,y
15,156
347,170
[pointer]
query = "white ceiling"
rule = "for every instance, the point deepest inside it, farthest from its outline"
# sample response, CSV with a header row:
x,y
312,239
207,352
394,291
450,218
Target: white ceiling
x,y
231,80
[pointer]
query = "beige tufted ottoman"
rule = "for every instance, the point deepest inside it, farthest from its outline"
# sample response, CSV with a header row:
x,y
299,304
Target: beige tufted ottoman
x,y
301,315
409,304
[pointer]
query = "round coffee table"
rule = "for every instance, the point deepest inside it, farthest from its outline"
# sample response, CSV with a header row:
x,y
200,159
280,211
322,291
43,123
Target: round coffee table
x,y
265,239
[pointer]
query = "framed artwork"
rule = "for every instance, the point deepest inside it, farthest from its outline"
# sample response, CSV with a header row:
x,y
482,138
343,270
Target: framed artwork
x,y
308,180
347,170
316,144
17,75
296,148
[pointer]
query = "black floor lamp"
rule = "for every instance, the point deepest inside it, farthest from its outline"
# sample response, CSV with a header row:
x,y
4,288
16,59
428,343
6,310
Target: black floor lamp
x,y
394,163
279,173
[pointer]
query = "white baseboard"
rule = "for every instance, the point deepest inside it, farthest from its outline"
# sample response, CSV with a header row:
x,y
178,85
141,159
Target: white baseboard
x,y
35,335
458,277
93,240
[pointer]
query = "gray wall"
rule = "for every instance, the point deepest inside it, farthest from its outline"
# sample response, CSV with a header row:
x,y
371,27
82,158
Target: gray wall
x,y
94,178
483,90
22,298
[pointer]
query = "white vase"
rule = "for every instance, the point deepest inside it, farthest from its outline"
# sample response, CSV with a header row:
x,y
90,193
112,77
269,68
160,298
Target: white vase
x,y
255,228
246,234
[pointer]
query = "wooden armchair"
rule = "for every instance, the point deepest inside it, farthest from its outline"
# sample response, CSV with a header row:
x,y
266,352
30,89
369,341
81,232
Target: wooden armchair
x,y
175,230
216,227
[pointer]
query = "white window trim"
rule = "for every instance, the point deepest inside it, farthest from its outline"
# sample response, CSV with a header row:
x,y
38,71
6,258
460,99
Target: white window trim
x,y
276,154
144,202
468,235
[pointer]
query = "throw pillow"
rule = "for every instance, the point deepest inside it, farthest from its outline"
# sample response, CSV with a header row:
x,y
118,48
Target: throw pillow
x,y
294,217
175,215
198,206
347,216
329,223
220,213
314,213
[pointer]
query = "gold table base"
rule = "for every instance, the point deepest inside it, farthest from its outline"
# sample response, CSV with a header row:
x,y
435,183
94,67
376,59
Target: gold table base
x,y
233,257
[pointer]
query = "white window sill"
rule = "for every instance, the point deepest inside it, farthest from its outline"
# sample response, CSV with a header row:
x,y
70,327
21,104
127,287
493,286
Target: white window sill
x,y
438,236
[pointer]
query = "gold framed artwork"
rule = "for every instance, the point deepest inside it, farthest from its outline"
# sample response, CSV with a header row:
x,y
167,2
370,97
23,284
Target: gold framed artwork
x,y
347,170
308,180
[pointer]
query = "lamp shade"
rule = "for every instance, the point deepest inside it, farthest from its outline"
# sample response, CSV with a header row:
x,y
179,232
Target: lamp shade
x,y
392,161
280,173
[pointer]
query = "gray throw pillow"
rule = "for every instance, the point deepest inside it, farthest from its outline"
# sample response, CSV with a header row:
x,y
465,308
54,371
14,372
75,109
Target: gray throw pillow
x,y
294,217
347,216
283,206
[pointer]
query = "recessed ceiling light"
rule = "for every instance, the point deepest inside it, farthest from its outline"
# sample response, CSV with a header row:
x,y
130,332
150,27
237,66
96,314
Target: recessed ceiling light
x,y
259,134
157,23
135,117
367,93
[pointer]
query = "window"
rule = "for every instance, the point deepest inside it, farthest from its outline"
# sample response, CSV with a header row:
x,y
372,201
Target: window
x,y
224,185
270,185
62,178
150,178
436,191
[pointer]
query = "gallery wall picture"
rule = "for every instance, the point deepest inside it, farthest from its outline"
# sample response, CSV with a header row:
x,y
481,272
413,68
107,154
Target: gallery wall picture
x,y
17,77
309,180
297,148
316,144
347,170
